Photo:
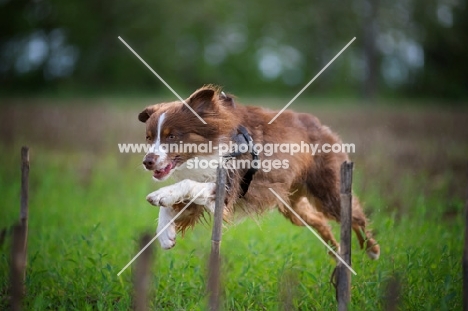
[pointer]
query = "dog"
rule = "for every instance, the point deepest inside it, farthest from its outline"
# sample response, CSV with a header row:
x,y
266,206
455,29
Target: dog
x,y
309,184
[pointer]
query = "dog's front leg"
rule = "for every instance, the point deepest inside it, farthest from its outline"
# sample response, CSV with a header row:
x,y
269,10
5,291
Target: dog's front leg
x,y
166,228
185,191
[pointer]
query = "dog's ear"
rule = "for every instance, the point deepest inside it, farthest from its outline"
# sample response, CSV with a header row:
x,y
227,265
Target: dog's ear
x,y
203,101
227,100
145,114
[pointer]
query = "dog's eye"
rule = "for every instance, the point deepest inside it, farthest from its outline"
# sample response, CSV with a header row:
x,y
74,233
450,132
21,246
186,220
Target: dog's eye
x,y
171,137
148,138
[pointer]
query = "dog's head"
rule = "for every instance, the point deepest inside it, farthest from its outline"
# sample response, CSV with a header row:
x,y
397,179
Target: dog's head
x,y
174,129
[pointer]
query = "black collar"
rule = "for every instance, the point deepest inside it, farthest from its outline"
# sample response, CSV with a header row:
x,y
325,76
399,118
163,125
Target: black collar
x,y
243,137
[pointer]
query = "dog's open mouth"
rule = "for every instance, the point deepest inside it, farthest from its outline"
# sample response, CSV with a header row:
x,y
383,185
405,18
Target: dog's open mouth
x,y
159,174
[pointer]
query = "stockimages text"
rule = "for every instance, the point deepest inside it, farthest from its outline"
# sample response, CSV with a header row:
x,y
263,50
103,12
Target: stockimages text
x,y
233,163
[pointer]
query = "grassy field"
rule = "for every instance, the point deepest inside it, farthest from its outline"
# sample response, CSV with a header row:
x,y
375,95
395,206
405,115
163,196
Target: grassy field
x,y
88,208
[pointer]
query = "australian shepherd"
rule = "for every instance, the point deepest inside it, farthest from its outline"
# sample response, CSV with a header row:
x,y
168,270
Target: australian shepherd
x,y
209,118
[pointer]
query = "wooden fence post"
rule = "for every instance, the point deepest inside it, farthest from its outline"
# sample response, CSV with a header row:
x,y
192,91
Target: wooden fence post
x,y
20,238
215,262
465,260
24,204
141,280
343,276
24,191
17,268
392,294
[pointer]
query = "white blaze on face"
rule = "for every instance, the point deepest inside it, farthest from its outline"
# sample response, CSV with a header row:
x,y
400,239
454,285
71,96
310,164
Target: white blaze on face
x,y
156,148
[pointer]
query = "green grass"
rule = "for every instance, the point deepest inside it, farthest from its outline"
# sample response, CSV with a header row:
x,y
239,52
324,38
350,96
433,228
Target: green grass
x,y
88,209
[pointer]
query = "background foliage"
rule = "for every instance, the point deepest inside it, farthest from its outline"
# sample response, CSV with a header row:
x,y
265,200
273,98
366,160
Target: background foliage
x,y
403,47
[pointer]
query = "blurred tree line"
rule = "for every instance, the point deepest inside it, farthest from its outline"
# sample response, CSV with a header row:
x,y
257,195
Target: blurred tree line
x,y
403,47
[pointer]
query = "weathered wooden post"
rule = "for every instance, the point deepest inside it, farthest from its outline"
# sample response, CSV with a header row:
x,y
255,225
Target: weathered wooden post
x,y
343,276
18,265
24,191
288,285
465,260
142,276
392,294
20,238
215,261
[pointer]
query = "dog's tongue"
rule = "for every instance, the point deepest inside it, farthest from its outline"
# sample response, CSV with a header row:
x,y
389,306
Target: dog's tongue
x,y
158,174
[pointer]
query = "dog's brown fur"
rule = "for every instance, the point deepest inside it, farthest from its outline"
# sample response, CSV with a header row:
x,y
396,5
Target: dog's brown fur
x,y
310,185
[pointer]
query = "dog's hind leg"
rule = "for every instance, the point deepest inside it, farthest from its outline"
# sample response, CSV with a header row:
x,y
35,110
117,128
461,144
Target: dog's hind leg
x,y
305,210
330,205
364,236
325,196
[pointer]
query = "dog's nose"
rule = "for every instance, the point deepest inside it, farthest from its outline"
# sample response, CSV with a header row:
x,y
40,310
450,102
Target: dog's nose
x,y
150,161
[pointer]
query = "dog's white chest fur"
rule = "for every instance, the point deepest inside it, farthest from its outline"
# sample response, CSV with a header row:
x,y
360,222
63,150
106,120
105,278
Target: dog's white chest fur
x,y
203,170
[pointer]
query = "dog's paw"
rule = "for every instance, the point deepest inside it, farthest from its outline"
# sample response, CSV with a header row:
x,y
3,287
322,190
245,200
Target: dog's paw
x,y
167,237
161,197
373,252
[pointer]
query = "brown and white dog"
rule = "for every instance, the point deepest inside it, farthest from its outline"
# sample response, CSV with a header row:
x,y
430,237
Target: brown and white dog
x,y
309,183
